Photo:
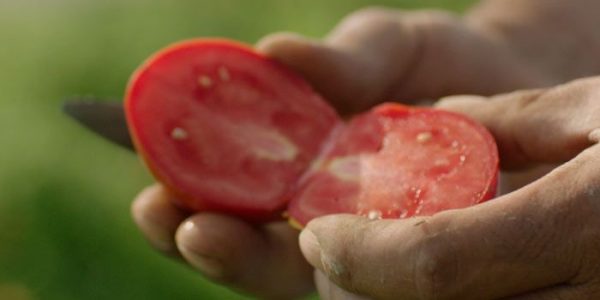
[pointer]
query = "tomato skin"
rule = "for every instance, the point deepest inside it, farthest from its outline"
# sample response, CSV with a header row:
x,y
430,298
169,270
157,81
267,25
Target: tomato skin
x,y
229,130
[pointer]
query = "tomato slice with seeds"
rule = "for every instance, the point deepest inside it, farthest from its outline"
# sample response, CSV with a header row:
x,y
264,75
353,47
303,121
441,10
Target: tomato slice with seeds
x,y
224,127
416,162
229,130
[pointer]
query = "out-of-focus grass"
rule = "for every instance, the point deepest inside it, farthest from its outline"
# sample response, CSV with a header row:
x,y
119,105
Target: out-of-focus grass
x,y
65,230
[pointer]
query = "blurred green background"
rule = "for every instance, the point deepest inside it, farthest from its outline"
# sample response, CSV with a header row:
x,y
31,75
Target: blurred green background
x,y
65,229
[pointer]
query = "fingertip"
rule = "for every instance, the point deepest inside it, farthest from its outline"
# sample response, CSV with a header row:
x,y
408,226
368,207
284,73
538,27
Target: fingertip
x,y
218,246
335,74
310,58
286,46
157,218
460,103
310,247
208,233
194,252
143,197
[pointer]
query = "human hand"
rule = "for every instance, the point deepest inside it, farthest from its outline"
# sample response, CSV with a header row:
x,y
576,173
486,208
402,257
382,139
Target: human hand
x,y
378,54
373,55
538,242
262,260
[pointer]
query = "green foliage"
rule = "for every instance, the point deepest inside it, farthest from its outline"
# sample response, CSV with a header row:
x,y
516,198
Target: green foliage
x,y
65,229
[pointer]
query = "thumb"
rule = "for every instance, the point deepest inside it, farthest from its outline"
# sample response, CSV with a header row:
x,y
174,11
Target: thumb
x,y
513,244
365,257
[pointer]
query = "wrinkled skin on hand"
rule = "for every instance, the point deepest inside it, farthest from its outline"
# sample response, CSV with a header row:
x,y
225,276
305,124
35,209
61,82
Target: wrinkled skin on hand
x,y
536,242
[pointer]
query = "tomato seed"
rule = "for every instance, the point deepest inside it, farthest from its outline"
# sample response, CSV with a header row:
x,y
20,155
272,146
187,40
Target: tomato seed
x,y
205,81
424,137
374,214
179,134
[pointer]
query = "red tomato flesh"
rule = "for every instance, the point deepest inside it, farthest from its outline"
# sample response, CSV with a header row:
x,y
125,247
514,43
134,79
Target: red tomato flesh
x,y
229,130
398,162
225,128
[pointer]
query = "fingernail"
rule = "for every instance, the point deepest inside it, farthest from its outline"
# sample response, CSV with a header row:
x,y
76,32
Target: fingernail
x,y
157,235
209,266
310,247
155,231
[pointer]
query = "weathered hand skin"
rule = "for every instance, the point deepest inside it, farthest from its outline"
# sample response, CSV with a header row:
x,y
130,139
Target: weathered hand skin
x,y
537,126
377,54
538,242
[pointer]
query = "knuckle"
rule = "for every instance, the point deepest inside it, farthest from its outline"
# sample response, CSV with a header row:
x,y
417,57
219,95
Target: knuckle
x,y
436,269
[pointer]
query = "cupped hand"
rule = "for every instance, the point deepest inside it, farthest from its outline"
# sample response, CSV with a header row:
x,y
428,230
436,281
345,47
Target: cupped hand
x,y
538,242
373,55
378,54
262,260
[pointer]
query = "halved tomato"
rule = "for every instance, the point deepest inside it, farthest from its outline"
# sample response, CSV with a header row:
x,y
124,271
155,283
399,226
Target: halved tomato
x,y
398,162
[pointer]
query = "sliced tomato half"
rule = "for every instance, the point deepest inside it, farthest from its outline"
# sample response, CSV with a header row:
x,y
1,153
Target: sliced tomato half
x,y
224,127
398,162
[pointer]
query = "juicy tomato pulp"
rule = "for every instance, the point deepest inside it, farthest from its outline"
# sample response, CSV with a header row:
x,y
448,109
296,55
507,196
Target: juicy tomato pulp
x,y
230,130
398,162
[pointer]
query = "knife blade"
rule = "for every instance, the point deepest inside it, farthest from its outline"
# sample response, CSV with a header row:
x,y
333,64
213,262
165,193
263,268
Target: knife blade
x,y
103,117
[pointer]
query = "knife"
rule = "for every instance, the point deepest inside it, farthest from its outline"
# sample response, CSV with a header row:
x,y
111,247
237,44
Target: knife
x,y
102,116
